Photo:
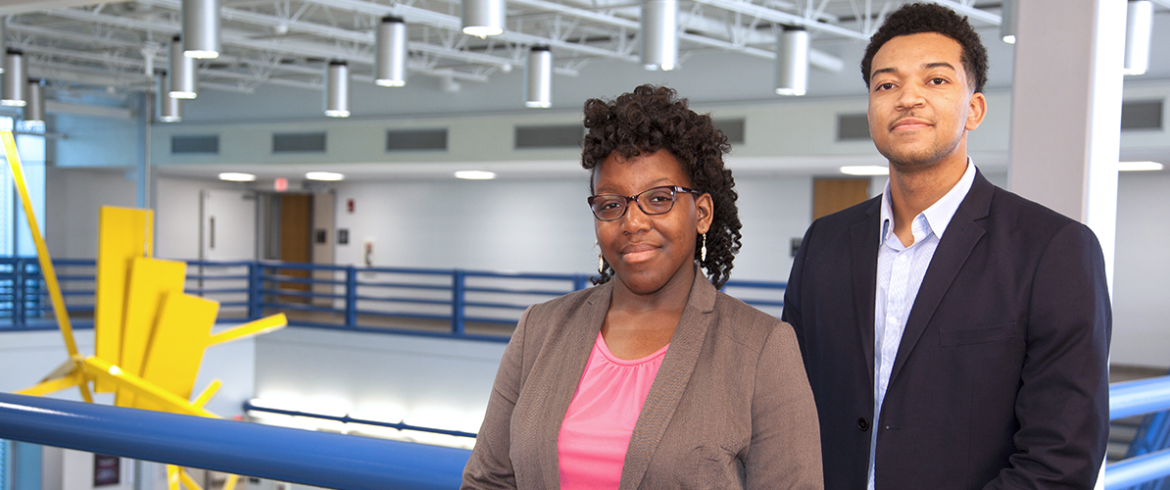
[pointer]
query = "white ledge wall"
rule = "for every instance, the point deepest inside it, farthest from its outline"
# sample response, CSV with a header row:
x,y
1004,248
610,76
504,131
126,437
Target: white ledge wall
x,y
778,134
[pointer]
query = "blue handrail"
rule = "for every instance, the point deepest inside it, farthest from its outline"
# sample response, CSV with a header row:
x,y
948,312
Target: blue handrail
x,y
293,455
1137,397
331,296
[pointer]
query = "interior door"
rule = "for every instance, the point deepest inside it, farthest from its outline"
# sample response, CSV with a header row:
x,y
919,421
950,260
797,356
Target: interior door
x,y
228,230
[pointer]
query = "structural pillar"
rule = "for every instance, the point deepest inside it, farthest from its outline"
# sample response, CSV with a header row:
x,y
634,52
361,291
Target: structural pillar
x,y
1066,110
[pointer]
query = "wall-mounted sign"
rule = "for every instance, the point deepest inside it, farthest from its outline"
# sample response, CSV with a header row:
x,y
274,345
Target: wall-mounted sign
x,y
107,470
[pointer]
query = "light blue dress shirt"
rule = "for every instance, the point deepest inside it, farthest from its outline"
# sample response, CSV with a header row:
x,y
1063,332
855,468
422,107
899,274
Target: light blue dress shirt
x,y
900,270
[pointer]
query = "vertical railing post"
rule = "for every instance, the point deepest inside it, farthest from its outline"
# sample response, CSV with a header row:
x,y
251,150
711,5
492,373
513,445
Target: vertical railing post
x,y
254,284
579,281
351,296
457,283
18,292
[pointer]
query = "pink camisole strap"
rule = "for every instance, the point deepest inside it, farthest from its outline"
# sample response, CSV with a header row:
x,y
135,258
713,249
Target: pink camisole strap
x,y
596,431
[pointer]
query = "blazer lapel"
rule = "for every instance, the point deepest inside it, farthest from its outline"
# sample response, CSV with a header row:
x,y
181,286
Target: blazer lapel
x,y
564,363
963,232
670,383
864,242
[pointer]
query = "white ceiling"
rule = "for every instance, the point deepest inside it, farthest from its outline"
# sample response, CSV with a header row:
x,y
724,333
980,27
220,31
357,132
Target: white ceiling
x,y
275,51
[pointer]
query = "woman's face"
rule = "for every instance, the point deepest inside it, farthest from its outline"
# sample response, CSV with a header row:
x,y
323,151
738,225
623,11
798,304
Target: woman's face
x,y
648,252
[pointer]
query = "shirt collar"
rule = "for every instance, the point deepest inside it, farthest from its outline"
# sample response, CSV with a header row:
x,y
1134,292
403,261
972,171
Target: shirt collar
x,y
939,214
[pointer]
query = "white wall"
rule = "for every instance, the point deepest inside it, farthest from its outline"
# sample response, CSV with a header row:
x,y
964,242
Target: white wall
x,y
74,198
1141,280
425,381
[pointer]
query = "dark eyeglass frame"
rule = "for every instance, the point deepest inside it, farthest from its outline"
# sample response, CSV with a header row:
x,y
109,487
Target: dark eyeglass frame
x,y
674,191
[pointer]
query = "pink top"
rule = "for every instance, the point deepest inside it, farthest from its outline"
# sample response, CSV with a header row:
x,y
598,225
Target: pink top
x,y
597,427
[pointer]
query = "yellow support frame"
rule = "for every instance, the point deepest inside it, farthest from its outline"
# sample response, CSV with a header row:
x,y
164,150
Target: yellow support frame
x,y
43,257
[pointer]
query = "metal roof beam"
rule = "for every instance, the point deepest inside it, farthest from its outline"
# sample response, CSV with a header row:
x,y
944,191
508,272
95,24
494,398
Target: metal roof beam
x,y
972,12
292,48
773,15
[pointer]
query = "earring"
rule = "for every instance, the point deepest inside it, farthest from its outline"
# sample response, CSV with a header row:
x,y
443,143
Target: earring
x,y
600,264
703,250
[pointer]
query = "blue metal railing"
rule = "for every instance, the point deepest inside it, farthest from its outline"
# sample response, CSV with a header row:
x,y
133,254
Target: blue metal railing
x,y
1148,457
328,296
352,462
320,459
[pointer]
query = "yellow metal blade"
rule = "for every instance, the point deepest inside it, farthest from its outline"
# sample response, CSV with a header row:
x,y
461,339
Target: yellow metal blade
x,y
54,385
205,397
230,484
46,262
107,372
188,481
173,477
150,281
176,349
123,234
263,325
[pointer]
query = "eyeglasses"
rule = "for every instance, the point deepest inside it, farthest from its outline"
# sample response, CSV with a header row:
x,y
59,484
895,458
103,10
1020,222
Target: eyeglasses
x,y
655,200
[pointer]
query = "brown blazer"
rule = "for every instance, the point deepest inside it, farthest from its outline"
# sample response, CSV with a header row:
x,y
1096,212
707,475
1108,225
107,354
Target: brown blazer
x,y
730,407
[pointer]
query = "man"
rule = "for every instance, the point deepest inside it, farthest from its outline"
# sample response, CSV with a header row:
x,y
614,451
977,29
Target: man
x,y
955,334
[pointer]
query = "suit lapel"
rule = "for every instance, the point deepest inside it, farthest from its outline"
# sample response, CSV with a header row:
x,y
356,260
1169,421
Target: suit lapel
x,y
960,237
565,363
670,382
864,243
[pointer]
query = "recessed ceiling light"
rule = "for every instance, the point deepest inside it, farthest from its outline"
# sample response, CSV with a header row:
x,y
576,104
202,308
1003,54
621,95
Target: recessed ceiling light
x,y
237,177
475,175
865,170
324,176
1138,166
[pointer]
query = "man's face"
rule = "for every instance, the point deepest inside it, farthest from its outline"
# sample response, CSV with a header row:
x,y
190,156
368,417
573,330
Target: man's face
x,y
920,103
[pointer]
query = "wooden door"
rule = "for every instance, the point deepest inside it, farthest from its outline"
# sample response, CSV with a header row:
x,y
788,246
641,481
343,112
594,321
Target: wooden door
x,y
295,226
834,194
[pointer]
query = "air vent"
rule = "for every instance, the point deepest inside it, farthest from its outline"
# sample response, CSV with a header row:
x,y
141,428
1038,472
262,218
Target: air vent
x,y
1141,115
733,128
852,127
195,144
551,136
416,139
298,142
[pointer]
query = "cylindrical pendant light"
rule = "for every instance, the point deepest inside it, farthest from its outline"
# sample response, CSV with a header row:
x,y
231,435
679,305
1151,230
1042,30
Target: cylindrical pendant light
x,y
337,89
792,61
390,59
201,28
483,18
12,93
660,34
539,78
35,109
170,109
1007,23
184,84
1139,24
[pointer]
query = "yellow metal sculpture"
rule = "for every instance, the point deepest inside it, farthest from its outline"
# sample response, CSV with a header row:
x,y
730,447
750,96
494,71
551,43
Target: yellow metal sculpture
x,y
149,336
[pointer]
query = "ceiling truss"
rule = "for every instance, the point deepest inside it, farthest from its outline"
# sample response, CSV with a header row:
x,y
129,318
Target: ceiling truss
x,y
117,47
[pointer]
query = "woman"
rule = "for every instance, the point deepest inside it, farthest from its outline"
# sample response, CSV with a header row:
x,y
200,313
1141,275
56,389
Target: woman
x,y
653,378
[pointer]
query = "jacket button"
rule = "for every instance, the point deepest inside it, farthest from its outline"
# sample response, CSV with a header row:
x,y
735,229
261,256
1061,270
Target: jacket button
x,y
863,424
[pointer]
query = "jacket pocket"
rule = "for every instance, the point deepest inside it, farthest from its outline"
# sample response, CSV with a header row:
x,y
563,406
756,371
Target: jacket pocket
x,y
951,337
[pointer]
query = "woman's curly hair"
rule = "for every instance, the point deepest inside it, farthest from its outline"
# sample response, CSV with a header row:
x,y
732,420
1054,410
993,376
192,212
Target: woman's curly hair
x,y
653,118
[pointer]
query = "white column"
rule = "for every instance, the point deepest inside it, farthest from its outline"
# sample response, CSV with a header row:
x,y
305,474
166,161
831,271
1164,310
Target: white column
x,y
1066,110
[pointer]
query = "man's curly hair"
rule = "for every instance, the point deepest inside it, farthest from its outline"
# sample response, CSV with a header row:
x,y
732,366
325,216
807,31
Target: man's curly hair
x,y
917,18
653,118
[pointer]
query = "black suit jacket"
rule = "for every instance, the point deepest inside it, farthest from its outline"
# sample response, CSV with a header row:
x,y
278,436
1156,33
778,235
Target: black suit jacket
x,y
1001,377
